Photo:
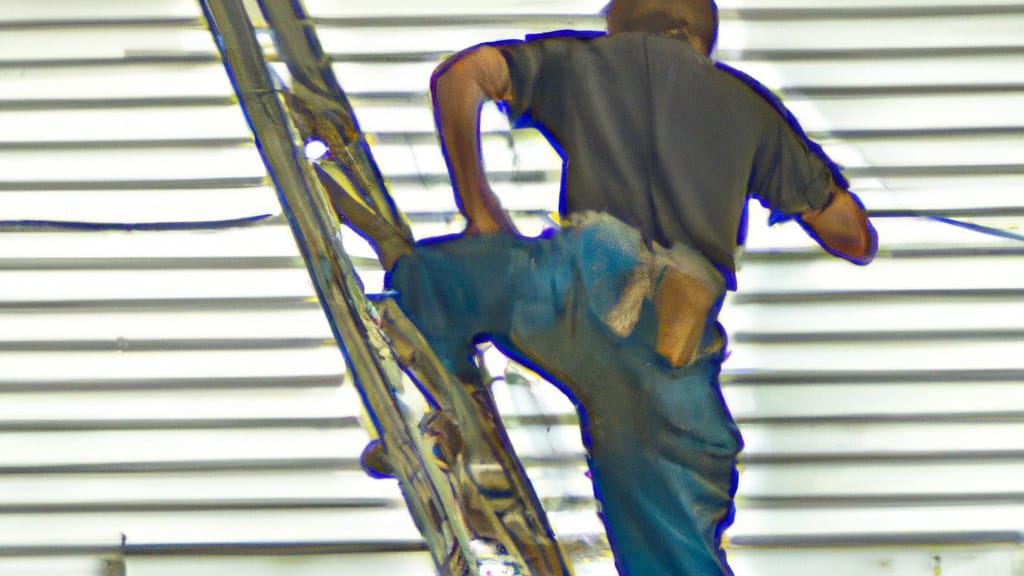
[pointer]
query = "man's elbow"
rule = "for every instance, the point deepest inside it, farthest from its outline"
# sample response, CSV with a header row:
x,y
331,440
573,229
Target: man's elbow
x,y
858,247
870,246
843,229
863,251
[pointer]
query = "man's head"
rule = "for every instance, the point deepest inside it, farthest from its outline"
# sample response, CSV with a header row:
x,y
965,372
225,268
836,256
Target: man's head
x,y
697,18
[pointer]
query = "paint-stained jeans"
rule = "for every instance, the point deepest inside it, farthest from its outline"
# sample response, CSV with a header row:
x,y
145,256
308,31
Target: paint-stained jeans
x,y
661,443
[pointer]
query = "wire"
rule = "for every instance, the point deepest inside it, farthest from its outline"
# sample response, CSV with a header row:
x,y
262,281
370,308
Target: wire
x,y
18,225
979,228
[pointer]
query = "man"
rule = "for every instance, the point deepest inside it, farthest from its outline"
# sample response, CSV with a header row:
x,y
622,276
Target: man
x,y
662,150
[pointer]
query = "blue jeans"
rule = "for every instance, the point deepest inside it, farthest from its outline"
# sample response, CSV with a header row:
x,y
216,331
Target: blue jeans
x,y
661,443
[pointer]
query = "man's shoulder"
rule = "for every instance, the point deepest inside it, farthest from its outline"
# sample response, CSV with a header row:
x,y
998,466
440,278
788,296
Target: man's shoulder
x,y
554,37
543,46
566,35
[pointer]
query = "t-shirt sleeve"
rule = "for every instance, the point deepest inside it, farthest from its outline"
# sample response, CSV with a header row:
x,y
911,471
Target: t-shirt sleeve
x,y
534,69
788,178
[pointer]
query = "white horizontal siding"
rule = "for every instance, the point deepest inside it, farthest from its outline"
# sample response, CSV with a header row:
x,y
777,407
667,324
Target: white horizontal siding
x,y
179,389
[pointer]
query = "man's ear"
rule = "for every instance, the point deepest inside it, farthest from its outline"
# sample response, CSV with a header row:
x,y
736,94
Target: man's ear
x,y
609,20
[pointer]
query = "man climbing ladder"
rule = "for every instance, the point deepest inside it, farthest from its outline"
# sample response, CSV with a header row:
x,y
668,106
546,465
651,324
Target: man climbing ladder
x,y
662,150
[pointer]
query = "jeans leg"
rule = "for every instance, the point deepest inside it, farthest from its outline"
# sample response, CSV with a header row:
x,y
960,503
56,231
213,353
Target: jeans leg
x,y
661,443
456,291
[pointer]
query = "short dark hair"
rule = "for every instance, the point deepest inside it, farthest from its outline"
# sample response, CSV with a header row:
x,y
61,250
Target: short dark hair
x,y
698,17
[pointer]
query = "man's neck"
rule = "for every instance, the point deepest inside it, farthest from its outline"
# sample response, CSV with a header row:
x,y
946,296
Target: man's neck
x,y
676,33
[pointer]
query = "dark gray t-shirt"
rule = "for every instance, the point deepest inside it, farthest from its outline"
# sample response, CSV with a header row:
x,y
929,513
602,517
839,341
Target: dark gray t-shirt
x,y
656,135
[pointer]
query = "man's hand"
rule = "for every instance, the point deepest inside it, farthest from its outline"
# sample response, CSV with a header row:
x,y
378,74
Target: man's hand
x,y
459,87
842,228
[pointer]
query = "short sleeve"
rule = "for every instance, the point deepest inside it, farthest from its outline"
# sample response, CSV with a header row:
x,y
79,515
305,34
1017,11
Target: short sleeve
x,y
534,69
788,177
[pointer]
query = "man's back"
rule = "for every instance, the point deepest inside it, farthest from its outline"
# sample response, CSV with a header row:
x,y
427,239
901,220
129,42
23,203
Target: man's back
x,y
658,136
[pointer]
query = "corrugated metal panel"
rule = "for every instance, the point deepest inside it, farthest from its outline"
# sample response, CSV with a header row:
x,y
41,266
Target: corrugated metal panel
x,y
178,387
173,391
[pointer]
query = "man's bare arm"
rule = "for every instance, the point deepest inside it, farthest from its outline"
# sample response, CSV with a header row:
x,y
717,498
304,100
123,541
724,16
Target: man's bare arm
x,y
459,88
842,228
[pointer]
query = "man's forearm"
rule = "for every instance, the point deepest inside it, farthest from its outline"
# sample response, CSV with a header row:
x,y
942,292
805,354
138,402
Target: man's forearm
x,y
459,88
